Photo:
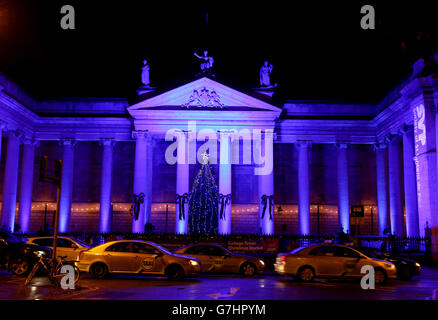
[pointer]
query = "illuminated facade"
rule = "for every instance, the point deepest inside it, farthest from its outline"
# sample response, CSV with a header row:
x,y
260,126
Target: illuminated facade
x,y
324,156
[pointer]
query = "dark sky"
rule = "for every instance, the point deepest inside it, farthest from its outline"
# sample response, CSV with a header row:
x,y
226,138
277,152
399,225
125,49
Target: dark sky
x,y
318,49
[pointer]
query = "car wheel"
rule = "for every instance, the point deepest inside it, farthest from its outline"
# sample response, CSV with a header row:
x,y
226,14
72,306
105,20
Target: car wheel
x,y
99,270
175,272
379,276
306,274
248,269
19,266
406,273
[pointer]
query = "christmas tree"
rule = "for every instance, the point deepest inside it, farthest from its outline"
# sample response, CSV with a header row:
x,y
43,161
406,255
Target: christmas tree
x,y
203,202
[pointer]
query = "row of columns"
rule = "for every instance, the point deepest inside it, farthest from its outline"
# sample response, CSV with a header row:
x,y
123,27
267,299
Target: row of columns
x,y
388,155
143,183
304,192
10,182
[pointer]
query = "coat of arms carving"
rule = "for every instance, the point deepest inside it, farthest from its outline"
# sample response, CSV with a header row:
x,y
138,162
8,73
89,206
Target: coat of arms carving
x,y
204,98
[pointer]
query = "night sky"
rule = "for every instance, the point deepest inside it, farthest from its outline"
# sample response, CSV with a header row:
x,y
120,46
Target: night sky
x,y
318,49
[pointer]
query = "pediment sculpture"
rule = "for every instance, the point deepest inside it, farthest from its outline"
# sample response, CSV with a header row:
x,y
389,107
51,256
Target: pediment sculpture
x,y
204,98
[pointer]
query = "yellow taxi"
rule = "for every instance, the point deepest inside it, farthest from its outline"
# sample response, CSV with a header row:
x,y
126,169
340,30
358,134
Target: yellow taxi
x,y
331,261
136,257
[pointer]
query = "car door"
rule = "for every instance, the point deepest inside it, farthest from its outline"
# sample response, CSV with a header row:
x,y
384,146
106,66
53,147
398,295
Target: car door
x,y
201,253
148,259
350,261
216,256
44,242
120,257
67,248
323,259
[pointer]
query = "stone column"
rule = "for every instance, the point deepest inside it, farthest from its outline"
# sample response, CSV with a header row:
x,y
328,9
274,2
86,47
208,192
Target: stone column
x,y
410,183
266,183
105,218
225,182
422,96
303,187
68,161
395,199
142,178
10,181
182,184
2,127
343,192
382,186
26,187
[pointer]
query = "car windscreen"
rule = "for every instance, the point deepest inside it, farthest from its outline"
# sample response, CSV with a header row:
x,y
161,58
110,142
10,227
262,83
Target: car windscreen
x,y
297,250
370,252
82,243
162,249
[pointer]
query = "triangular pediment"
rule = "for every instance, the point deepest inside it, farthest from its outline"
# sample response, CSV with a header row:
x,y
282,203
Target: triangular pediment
x,y
201,94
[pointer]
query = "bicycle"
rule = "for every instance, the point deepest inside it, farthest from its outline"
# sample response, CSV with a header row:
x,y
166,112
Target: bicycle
x,y
53,268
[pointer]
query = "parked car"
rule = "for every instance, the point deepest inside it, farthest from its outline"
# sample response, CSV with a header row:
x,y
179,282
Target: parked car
x,y
17,256
67,247
406,268
215,258
139,257
331,261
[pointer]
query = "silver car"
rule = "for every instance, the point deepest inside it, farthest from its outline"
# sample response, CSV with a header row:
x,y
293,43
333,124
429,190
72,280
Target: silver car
x,y
217,259
334,261
138,257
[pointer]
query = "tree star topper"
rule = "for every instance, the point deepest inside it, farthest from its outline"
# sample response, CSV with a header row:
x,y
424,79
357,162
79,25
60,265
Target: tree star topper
x,y
205,157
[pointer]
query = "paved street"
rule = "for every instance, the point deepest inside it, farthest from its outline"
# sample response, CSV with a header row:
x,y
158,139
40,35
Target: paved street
x,y
267,286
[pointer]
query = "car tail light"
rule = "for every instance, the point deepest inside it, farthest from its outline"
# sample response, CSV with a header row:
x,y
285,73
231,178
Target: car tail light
x,y
283,258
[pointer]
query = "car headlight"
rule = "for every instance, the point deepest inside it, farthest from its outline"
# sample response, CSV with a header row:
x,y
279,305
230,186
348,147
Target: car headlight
x,y
40,253
262,262
390,265
194,263
417,264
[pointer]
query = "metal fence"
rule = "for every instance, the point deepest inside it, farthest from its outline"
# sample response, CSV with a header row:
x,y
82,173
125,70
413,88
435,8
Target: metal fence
x,y
400,245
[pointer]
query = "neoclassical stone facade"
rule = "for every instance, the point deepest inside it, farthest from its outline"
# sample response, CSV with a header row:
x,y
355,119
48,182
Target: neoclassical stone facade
x,y
325,157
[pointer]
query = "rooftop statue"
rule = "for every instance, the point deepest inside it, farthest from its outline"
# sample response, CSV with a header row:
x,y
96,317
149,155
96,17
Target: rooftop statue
x,y
145,74
265,75
206,64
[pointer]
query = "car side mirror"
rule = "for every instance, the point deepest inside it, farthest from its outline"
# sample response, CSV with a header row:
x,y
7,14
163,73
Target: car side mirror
x,y
159,254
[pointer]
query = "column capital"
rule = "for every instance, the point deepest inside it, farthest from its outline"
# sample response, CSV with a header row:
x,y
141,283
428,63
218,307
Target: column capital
x,y
17,133
180,133
31,141
3,125
107,142
271,131
225,134
380,145
392,137
303,144
67,141
407,129
341,145
141,134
